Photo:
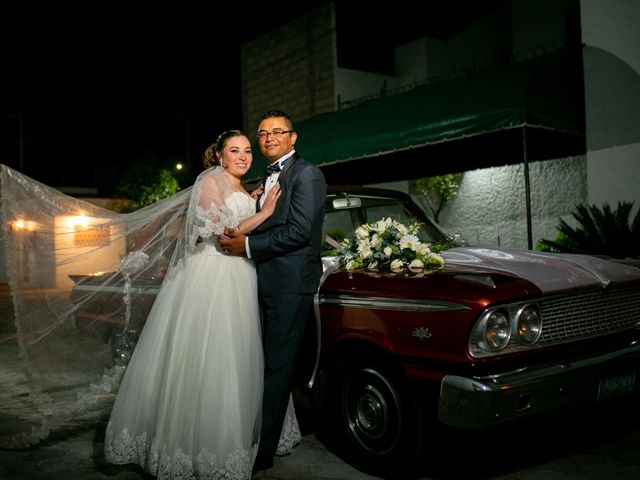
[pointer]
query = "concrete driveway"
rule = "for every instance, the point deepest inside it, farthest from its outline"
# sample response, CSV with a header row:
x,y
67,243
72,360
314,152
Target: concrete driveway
x,y
599,446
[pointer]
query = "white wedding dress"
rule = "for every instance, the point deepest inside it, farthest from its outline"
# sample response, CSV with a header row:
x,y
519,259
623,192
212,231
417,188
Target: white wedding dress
x,y
189,404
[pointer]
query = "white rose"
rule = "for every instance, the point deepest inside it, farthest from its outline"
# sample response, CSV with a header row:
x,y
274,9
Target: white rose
x,y
362,233
387,251
424,250
376,240
396,265
417,264
402,229
364,250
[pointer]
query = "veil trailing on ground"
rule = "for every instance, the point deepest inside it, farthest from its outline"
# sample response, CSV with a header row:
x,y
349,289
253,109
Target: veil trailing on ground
x,y
76,284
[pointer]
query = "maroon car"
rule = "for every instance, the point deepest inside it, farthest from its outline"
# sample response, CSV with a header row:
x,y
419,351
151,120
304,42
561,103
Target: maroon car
x,y
494,336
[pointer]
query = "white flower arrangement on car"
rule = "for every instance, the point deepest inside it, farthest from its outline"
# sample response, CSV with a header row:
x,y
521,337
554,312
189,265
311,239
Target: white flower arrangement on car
x,y
389,244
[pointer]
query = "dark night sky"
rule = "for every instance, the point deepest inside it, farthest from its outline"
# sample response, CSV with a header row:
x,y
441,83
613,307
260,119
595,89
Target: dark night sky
x,y
103,85
100,89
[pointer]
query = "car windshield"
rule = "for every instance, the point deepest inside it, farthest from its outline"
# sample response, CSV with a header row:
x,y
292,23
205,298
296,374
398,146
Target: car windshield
x,y
346,211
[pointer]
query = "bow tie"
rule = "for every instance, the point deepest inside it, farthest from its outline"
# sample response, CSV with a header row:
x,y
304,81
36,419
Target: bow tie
x,y
274,168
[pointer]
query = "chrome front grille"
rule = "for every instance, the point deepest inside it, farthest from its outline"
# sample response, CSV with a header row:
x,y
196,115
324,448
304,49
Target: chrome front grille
x,y
590,314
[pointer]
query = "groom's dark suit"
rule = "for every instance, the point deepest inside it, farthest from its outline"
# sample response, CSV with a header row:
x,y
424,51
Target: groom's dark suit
x,y
286,250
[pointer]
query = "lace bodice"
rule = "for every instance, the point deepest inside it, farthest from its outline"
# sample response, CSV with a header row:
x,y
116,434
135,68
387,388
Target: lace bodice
x,y
211,221
241,204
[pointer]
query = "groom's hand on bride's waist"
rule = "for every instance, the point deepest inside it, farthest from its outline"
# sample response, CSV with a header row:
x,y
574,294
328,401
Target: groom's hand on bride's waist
x,y
232,242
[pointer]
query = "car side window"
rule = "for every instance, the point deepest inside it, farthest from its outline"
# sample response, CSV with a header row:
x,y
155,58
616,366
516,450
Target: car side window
x,y
395,211
338,225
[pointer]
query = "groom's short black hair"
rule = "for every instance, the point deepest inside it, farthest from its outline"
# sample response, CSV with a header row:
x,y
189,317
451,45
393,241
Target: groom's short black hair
x,y
277,114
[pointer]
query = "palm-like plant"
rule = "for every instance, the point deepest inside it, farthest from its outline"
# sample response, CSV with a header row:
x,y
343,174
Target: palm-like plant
x,y
599,232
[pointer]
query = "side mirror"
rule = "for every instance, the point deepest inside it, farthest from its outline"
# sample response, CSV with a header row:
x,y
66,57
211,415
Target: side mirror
x,y
346,202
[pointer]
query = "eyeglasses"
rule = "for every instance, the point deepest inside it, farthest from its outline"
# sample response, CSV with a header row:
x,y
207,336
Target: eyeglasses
x,y
276,132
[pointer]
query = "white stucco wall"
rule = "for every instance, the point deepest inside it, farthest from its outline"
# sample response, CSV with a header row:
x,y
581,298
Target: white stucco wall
x,y
490,208
614,175
614,26
611,35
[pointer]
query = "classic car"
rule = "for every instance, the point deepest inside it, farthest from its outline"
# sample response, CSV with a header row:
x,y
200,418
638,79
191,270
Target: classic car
x,y
496,335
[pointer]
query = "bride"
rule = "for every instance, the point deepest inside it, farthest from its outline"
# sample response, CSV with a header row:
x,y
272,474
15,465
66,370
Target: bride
x,y
190,401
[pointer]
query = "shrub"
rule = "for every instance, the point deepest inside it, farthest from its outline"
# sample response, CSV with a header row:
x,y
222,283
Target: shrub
x,y
599,231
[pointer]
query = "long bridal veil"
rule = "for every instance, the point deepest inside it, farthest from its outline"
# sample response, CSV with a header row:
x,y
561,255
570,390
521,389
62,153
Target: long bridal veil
x,y
72,301
76,284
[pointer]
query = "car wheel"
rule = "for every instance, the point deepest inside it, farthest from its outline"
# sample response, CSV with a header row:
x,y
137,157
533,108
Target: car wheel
x,y
381,424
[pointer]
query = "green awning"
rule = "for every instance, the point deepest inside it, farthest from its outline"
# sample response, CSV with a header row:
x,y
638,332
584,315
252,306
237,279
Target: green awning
x,y
543,94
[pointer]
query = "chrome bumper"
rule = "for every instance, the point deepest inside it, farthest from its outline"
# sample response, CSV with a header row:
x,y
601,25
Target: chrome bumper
x,y
484,401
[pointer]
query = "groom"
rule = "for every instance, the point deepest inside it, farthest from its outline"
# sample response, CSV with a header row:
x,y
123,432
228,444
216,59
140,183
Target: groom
x,y
286,250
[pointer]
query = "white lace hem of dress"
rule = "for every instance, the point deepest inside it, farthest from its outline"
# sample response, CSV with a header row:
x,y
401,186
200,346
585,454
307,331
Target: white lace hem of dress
x,y
290,436
123,448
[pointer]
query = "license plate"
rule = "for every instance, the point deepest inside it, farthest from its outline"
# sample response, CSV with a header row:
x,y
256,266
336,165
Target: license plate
x,y
616,385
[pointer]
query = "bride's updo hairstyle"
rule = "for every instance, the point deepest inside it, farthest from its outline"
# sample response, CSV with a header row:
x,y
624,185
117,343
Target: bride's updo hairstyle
x,y
209,158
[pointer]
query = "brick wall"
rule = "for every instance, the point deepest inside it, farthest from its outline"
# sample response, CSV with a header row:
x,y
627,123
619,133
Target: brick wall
x,y
291,69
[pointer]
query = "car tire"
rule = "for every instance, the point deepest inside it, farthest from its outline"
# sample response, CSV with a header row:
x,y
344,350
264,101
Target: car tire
x,y
380,424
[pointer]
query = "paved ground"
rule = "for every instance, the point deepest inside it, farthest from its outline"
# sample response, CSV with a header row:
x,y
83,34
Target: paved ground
x,y
598,446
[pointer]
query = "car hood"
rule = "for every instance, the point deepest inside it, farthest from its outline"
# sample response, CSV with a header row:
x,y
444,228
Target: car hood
x,y
548,271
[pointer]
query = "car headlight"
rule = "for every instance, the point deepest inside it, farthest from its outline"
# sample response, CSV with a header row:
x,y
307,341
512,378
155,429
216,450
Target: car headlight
x,y
506,328
497,331
528,324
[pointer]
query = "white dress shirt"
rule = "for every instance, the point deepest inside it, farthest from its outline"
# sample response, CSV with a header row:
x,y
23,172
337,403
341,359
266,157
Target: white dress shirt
x,y
269,182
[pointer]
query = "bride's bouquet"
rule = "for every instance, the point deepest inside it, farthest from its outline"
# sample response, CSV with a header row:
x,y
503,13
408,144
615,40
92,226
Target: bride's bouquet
x,y
389,244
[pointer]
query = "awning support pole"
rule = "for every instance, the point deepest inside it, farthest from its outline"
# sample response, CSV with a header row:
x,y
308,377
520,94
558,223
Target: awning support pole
x,y
527,187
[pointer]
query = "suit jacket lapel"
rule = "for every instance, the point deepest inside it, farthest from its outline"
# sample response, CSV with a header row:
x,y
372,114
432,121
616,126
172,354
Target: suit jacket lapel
x,y
281,180
287,166
258,206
